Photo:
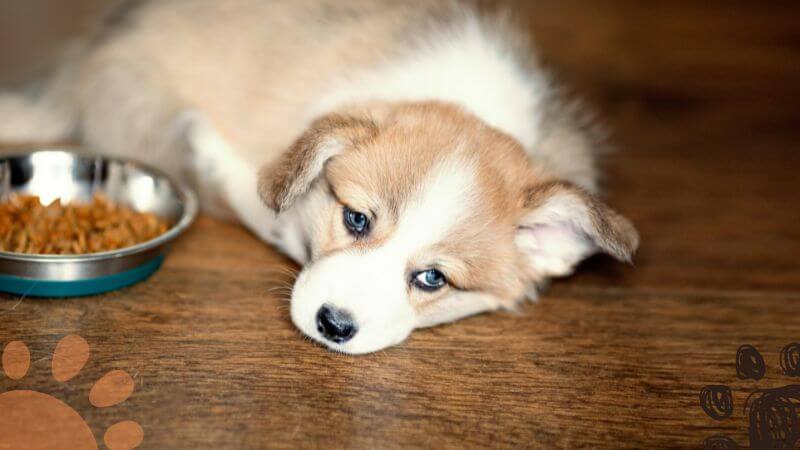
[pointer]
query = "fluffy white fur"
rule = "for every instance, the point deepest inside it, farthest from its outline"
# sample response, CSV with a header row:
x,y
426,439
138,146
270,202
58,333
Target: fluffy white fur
x,y
468,64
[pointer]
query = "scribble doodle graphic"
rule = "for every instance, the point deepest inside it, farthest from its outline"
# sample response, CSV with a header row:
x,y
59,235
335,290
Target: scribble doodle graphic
x,y
35,420
717,401
749,363
720,443
773,414
790,360
774,418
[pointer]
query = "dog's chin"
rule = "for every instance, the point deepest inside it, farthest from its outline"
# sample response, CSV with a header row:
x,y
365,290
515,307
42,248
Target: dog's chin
x,y
361,345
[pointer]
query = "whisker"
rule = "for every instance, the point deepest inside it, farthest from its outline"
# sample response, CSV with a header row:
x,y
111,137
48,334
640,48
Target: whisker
x,y
278,280
281,288
286,271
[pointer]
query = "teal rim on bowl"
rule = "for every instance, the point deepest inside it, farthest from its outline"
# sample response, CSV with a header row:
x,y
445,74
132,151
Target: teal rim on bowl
x,y
76,175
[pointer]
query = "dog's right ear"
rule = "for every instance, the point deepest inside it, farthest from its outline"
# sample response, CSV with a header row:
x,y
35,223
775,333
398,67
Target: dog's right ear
x,y
281,183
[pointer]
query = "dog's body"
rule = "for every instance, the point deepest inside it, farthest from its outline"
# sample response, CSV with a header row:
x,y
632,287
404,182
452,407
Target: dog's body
x,y
420,120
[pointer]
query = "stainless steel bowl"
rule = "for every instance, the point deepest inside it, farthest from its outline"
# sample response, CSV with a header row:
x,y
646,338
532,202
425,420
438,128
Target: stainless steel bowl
x,y
75,175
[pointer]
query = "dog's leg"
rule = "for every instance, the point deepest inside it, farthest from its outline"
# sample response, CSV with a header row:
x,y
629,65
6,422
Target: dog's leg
x,y
218,168
28,120
125,112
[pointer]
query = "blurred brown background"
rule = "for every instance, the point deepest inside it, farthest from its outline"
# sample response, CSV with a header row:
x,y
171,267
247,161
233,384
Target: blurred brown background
x,y
703,98
34,32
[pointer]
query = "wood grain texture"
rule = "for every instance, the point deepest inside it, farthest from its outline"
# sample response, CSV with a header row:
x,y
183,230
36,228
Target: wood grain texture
x,y
702,99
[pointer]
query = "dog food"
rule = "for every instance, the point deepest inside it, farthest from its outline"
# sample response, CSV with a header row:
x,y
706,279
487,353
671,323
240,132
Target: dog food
x,y
28,226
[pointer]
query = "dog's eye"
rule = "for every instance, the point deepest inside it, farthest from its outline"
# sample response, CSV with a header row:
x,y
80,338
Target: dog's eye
x,y
429,280
356,223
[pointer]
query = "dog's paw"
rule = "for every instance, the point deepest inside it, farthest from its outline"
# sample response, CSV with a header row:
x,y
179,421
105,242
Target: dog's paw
x,y
207,147
211,162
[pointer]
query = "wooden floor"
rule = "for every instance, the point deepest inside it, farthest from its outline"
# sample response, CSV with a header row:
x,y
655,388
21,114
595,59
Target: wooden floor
x,y
704,101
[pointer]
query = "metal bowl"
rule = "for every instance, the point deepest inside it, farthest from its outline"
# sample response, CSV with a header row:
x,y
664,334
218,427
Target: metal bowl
x,y
75,175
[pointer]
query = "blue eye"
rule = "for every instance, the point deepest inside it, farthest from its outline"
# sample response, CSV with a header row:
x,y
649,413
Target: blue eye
x,y
429,280
356,223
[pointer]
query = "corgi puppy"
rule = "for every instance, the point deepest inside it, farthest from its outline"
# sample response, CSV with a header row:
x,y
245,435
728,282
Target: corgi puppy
x,y
411,155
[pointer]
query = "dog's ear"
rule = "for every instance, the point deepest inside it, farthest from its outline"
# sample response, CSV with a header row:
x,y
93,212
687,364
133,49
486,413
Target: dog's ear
x,y
281,183
564,224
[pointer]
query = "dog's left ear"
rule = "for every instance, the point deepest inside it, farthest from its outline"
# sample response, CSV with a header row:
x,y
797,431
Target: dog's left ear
x,y
564,224
280,184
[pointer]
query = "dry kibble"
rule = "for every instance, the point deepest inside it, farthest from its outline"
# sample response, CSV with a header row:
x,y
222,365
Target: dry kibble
x,y
27,226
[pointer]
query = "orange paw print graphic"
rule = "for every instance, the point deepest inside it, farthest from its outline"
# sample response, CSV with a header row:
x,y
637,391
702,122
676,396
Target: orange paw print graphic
x,y
36,421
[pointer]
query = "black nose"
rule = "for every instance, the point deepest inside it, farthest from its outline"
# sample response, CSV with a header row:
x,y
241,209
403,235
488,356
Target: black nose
x,y
335,324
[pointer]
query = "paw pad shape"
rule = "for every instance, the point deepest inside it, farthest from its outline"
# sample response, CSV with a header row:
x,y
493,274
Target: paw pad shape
x,y
35,420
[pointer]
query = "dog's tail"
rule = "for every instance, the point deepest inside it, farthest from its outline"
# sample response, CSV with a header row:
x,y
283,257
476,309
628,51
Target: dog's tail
x,y
43,111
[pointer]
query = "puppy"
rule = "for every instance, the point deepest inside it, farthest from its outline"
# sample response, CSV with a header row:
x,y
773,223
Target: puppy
x,y
408,153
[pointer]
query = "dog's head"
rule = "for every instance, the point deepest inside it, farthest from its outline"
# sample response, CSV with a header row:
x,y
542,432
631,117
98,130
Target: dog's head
x,y
420,214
